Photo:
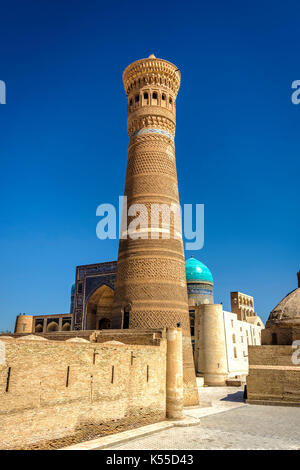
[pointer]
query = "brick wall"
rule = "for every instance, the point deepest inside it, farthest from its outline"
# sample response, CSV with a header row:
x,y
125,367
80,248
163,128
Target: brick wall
x,y
273,378
50,389
136,336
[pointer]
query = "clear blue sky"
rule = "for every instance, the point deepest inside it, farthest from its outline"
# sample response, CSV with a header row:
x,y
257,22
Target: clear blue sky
x,y
63,142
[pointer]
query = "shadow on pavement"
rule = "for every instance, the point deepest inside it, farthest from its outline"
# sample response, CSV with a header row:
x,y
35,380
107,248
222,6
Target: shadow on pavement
x,y
235,397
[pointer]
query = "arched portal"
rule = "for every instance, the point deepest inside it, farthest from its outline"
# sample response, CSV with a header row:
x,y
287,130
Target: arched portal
x,y
99,308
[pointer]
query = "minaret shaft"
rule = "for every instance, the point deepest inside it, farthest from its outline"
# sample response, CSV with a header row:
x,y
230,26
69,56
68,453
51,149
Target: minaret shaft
x,y
151,290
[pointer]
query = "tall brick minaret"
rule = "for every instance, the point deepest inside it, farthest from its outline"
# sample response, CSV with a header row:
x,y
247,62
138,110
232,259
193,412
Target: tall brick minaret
x,y
151,289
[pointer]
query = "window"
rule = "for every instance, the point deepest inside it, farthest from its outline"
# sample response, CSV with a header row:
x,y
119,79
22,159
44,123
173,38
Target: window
x,y
154,96
233,338
137,98
192,322
126,319
234,353
145,98
163,97
130,102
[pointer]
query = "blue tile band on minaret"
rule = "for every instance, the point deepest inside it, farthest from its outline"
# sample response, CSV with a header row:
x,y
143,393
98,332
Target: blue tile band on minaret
x,y
152,131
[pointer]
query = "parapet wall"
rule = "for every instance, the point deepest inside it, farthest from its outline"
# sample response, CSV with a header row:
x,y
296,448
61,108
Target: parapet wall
x,y
142,337
273,377
51,389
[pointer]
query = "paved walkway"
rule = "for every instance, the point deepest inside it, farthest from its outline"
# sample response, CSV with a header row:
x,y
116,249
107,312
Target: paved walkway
x,y
228,423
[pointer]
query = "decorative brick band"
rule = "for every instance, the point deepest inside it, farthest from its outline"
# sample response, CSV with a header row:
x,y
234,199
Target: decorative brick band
x,y
265,366
152,131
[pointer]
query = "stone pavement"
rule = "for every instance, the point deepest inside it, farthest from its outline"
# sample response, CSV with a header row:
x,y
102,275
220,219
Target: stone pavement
x,y
215,400
228,423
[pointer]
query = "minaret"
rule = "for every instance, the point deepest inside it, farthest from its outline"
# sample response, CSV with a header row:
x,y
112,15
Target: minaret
x,y
151,289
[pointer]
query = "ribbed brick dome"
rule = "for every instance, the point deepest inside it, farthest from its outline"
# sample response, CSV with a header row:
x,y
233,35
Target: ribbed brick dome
x,y
288,310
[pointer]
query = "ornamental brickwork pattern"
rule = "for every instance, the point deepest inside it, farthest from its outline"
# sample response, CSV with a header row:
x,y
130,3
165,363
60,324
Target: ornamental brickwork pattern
x,y
151,281
88,279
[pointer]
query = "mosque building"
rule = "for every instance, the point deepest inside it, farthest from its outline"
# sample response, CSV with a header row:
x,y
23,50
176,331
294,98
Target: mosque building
x,y
220,339
151,286
141,328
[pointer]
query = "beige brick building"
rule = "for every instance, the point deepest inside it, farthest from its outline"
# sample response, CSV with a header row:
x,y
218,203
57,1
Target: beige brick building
x,y
274,367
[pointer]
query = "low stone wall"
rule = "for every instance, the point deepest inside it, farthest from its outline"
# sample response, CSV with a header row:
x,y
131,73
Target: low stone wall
x,y
273,378
134,336
51,389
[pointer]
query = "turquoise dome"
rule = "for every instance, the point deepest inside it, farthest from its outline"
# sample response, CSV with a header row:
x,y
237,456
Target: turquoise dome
x,y
197,271
73,289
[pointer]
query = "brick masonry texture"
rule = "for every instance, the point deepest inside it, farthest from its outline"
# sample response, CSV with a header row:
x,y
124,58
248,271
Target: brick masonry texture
x,y
53,389
273,378
150,288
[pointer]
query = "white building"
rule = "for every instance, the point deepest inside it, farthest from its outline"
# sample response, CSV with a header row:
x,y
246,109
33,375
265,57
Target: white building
x,y
238,336
220,339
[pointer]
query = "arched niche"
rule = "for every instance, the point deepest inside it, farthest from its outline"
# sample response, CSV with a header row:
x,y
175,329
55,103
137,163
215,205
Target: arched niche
x,y
53,326
99,307
38,328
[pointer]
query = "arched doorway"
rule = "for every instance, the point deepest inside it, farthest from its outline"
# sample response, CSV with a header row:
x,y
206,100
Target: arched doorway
x,y
99,308
274,338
